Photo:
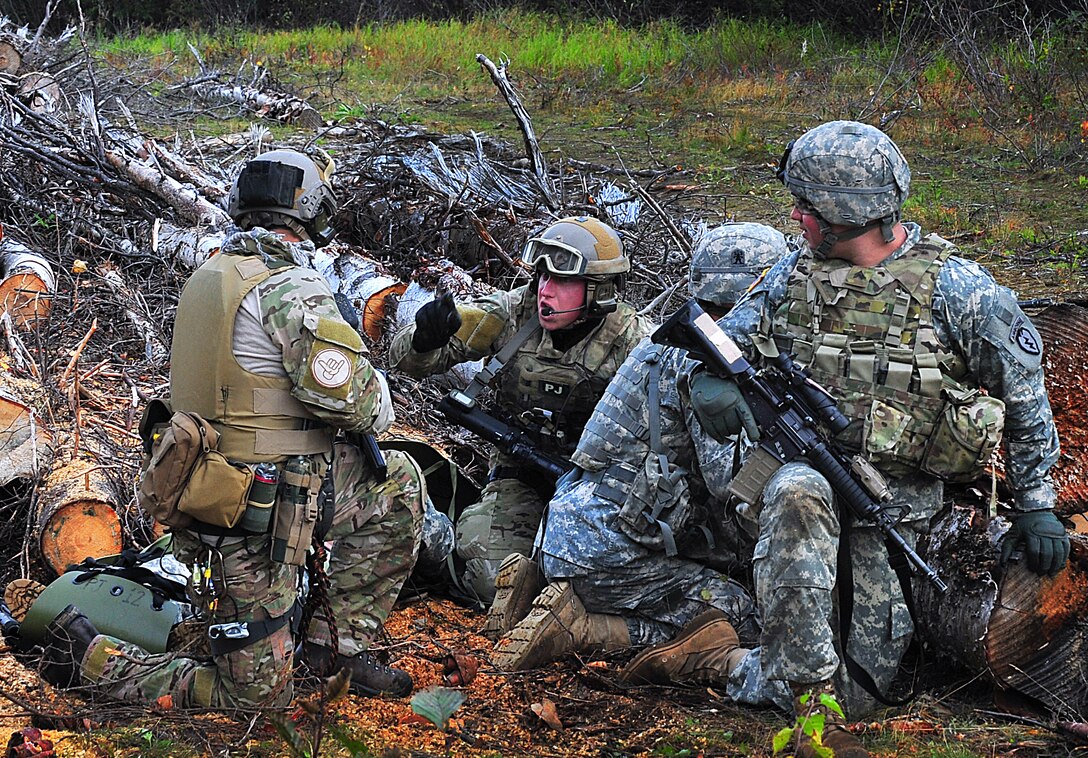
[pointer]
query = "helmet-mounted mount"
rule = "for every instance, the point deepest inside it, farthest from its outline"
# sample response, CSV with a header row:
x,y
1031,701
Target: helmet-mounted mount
x,y
286,188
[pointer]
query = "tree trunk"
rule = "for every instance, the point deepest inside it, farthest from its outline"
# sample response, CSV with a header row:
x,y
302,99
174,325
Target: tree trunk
x,y
1025,632
75,516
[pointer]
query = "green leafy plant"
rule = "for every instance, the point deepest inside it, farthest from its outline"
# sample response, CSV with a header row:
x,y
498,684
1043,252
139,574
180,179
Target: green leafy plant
x,y
437,704
810,724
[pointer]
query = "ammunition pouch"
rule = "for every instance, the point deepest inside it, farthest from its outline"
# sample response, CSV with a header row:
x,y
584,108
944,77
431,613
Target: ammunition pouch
x,y
966,435
184,476
658,511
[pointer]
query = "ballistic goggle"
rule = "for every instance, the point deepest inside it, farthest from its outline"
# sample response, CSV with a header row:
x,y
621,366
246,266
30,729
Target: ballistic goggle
x,y
559,258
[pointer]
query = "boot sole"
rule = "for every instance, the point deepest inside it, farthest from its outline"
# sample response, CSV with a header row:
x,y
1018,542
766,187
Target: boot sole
x,y
631,672
20,595
516,587
521,648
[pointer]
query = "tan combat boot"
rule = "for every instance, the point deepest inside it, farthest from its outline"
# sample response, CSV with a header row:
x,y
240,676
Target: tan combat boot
x,y
705,651
19,595
517,584
835,735
558,624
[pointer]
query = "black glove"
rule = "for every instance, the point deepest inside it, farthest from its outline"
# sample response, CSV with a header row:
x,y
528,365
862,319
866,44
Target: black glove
x,y
1046,544
347,310
436,322
721,408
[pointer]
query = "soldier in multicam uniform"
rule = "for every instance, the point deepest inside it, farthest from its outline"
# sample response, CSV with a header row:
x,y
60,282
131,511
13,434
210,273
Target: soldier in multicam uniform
x,y
560,340
261,351
638,540
903,332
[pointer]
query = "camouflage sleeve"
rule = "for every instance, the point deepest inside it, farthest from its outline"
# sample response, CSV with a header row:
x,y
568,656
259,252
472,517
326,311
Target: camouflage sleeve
x,y
486,325
980,319
322,354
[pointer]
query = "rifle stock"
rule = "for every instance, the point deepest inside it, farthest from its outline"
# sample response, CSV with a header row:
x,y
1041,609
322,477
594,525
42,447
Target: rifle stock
x,y
463,411
792,412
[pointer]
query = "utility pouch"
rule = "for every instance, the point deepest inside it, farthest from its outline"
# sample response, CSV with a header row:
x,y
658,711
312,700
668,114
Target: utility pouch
x,y
747,486
658,511
297,511
967,433
173,444
217,491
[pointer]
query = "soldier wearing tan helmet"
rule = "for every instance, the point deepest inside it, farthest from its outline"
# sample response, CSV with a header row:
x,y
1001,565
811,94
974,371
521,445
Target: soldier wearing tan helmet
x,y
640,539
263,354
567,333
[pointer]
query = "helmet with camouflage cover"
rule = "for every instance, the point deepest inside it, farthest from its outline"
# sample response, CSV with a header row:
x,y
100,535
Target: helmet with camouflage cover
x,y
728,259
583,247
286,188
849,173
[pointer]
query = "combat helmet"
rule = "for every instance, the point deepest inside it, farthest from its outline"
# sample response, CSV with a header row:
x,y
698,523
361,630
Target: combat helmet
x,y
582,246
286,188
728,259
848,173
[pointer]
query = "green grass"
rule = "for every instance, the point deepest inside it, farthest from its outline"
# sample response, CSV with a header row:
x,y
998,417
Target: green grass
x,y
997,168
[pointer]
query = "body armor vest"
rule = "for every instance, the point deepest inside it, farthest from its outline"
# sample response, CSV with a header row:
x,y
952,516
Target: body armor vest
x,y
867,335
551,393
257,416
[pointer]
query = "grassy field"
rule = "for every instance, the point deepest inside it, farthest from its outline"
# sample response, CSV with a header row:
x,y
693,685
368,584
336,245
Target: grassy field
x,y
999,158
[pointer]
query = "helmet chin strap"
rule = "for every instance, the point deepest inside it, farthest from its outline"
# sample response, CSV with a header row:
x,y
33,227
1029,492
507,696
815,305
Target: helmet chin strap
x,y
830,239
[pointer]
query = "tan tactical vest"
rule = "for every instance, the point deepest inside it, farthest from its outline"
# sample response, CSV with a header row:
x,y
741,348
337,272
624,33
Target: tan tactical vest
x,y
867,335
552,393
256,415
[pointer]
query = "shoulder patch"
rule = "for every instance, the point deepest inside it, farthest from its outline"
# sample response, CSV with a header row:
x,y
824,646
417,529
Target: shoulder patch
x,y
1023,335
331,367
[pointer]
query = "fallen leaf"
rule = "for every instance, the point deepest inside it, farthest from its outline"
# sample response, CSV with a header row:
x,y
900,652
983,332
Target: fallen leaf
x,y
165,702
545,709
597,665
459,669
413,718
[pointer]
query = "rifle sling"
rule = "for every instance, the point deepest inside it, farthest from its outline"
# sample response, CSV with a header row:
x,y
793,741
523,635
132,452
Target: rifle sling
x,y
496,363
899,563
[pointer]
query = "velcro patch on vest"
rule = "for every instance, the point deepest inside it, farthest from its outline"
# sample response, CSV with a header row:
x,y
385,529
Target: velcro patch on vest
x,y
552,389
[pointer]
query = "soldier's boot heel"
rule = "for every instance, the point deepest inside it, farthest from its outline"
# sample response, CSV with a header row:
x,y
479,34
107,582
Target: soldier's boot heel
x,y
517,584
67,638
557,625
19,595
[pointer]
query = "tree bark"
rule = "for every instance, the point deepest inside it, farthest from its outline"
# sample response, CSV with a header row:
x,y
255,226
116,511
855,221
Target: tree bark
x,y
1025,632
26,283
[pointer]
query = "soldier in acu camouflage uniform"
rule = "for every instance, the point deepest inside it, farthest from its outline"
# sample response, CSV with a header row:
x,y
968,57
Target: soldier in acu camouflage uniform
x,y
638,540
565,334
903,332
261,350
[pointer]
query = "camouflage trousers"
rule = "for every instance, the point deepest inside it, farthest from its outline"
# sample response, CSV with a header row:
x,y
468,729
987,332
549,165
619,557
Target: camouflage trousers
x,y
656,595
374,540
503,522
795,573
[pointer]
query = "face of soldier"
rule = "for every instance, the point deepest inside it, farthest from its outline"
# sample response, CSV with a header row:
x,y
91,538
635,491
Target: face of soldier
x,y
561,300
810,226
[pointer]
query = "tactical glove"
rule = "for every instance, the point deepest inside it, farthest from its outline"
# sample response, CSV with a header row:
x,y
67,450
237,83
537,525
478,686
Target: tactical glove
x,y
721,408
436,322
1043,536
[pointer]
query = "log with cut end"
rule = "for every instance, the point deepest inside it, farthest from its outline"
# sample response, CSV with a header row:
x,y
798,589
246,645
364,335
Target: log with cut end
x,y
10,57
75,517
1026,632
26,283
